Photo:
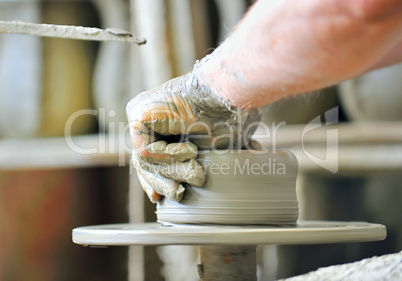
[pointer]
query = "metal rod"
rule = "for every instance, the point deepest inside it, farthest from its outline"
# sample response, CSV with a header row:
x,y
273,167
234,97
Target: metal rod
x,y
227,263
69,31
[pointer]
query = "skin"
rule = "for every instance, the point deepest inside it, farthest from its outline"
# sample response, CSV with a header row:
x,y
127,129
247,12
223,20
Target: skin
x,y
288,47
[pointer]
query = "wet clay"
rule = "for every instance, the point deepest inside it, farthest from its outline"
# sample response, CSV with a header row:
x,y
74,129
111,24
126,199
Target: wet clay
x,y
242,188
177,151
171,189
190,171
223,118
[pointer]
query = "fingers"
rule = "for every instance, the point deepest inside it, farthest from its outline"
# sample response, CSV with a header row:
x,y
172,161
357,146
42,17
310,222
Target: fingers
x,y
162,111
169,188
255,145
141,140
161,152
190,171
230,134
157,180
164,180
152,195
223,136
157,113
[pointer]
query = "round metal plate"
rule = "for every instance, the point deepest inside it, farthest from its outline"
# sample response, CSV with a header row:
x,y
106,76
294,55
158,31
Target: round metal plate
x,y
305,232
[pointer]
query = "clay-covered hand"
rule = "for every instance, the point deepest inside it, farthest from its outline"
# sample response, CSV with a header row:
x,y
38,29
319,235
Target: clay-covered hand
x,y
170,123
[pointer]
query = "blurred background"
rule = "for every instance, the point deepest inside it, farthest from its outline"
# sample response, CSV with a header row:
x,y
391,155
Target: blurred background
x,y
49,185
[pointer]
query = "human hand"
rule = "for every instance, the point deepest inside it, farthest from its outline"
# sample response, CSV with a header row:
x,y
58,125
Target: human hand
x,y
169,123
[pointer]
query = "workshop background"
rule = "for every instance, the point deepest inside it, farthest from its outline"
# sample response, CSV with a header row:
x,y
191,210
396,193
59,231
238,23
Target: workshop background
x,y
47,188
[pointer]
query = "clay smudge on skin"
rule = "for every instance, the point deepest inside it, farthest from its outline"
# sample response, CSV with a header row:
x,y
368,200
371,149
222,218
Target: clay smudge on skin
x,y
148,188
157,147
167,187
190,171
178,152
166,126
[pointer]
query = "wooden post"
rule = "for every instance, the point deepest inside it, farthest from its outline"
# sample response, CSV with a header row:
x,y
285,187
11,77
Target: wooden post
x,y
227,263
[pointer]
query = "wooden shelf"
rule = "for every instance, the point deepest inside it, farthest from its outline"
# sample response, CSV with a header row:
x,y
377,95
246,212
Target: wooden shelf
x,y
53,153
362,158
361,147
348,133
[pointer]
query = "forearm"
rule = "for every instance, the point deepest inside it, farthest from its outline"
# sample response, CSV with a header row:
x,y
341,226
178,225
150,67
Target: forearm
x,y
288,47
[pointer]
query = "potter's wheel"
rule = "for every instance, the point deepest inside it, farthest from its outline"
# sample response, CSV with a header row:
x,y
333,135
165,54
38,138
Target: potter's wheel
x,y
231,214
228,252
305,232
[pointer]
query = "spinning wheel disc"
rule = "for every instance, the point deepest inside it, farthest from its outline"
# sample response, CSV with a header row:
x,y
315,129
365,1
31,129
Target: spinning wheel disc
x,y
305,232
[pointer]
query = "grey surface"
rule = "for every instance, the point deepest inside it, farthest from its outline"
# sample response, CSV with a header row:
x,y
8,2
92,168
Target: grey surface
x,y
387,267
242,188
306,232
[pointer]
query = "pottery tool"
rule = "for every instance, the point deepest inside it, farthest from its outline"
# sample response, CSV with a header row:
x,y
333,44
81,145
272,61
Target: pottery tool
x,y
69,32
231,214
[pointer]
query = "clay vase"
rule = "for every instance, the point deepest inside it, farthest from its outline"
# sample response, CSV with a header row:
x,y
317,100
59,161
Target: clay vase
x,y
242,188
300,109
375,96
